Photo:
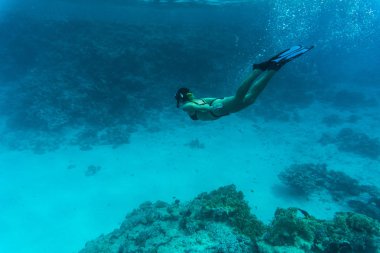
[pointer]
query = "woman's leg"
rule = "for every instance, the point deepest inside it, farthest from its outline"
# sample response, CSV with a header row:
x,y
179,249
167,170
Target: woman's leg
x,y
258,86
244,87
248,91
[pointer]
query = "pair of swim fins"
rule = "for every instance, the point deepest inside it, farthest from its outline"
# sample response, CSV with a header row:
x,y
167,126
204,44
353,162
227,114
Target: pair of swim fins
x,y
279,60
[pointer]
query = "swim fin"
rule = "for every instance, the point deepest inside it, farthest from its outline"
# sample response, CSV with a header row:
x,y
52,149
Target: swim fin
x,y
279,60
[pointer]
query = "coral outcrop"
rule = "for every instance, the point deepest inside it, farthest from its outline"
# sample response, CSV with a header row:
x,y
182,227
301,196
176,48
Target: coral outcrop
x,y
212,222
351,141
307,178
304,179
221,221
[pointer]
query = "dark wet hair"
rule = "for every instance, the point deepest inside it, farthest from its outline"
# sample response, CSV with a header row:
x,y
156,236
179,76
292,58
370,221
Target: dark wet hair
x,y
180,96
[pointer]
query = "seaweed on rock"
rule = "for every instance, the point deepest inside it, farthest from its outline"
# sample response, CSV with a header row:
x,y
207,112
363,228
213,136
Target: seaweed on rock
x,y
291,228
228,205
348,231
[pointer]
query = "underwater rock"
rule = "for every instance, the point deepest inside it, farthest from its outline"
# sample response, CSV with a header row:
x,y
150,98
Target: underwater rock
x,y
92,170
290,229
352,231
221,222
162,227
370,207
228,205
341,186
350,141
347,232
306,179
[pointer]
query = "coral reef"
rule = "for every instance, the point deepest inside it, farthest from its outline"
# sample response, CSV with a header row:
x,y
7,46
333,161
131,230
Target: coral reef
x,y
370,207
221,222
348,232
353,232
228,205
306,179
291,229
354,142
210,223
309,178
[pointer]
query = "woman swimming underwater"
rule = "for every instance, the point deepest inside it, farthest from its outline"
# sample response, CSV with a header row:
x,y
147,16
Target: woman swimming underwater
x,y
249,90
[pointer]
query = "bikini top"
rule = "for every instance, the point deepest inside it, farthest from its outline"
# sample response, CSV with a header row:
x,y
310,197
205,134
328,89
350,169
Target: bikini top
x,y
203,102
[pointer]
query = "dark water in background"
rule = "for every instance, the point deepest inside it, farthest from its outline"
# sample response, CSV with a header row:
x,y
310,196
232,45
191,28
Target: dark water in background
x,y
100,66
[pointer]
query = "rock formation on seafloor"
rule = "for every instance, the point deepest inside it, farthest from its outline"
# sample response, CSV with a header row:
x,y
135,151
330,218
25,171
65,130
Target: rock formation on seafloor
x,y
221,221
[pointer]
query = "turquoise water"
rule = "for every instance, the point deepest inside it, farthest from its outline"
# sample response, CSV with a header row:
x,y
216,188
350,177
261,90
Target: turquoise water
x,y
90,128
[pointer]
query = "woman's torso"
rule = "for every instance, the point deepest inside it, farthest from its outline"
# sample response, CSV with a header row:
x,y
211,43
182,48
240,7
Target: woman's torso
x,y
209,115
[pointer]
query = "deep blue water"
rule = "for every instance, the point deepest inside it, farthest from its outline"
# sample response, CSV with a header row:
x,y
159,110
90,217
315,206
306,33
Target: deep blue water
x,y
202,44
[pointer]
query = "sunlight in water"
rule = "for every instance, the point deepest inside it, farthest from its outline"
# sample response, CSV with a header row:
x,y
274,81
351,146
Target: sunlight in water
x,y
339,20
